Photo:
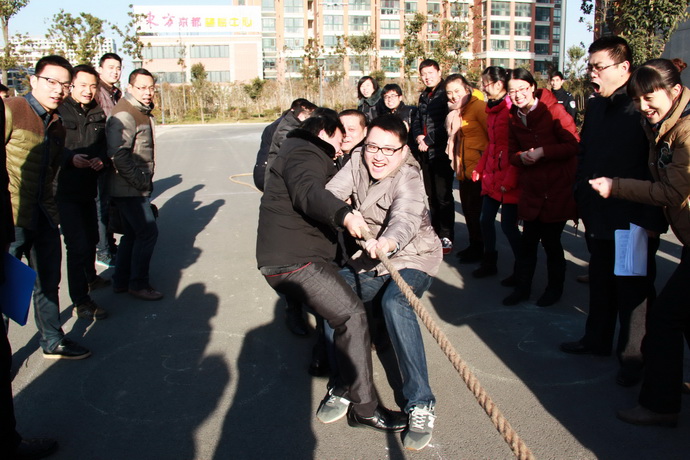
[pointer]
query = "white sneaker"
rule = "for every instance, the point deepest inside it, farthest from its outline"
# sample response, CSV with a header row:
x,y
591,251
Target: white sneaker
x,y
418,434
447,245
332,409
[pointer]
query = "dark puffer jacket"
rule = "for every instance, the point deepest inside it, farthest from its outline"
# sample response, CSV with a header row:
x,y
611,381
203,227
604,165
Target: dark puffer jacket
x,y
547,185
430,120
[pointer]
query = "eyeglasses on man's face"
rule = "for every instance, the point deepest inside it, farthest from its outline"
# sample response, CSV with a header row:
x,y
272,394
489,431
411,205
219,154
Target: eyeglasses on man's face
x,y
150,89
598,68
388,151
55,84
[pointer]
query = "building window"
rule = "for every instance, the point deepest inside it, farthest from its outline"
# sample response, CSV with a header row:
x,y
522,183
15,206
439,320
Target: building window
x,y
359,23
459,10
499,62
499,45
522,29
521,46
523,10
293,6
500,27
542,14
294,65
163,52
210,51
523,63
330,41
410,7
500,8
389,7
269,64
390,26
268,44
268,24
268,5
294,25
390,65
541,48
541,66
170,77
433,8
219,76
389,44
331,22
434,27
294,43
360,4
542,32
556,15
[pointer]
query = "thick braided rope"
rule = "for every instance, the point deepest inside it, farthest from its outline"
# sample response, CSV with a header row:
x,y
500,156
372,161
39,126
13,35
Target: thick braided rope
x,y
516,444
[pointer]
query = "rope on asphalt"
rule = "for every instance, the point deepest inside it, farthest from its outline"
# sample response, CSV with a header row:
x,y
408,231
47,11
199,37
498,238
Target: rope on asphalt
x,y
516,444
232,178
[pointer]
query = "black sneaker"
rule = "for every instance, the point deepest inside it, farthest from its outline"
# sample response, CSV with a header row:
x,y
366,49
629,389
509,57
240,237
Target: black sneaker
x,y
67,349
89,310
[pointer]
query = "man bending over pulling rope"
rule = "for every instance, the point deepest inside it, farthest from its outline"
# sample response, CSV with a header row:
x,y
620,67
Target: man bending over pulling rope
x,y
385,184
295,248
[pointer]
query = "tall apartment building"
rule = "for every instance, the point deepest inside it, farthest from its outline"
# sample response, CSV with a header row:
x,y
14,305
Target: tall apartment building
x,y
509,33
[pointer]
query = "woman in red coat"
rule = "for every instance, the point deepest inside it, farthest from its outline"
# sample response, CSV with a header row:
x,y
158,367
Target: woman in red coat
x,y
543,143
498,177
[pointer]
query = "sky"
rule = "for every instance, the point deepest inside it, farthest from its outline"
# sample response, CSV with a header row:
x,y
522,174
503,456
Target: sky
x,y
33,18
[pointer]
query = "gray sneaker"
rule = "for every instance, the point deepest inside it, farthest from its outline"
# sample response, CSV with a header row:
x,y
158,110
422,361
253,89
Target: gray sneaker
x,y
332,409
421,427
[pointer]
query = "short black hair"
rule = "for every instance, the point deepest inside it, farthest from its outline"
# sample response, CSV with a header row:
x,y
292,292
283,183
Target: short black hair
x,y
354,113
361,82
391,124
429,63
654,75
392,87
302,105
617,47
107,56
557,73
86,69
323,119
461,79
55,60
141,71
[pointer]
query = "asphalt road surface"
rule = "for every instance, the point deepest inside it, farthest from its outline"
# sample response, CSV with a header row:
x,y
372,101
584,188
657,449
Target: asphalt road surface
x,y
211,372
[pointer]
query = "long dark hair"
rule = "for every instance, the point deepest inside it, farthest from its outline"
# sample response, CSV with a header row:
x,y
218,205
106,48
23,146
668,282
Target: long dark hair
x,y
654,75
362,80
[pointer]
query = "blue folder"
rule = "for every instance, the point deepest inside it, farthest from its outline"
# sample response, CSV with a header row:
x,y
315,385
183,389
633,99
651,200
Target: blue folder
x,y
15,292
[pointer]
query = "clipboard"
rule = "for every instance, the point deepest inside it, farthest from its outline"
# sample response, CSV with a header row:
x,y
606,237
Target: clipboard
x,y
15,292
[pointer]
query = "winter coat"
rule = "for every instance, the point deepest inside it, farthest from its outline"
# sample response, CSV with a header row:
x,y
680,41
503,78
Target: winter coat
x,y
130,138
467,137
669,163
288,122
298,217
567,101
107,97
372,106
547,185
394,207
613,145
34,154
494,168
6,221
259,174
430,120
85,134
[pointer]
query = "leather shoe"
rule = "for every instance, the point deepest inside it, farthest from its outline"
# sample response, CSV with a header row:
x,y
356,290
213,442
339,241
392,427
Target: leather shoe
x,y
639,415
579,348
148,293
67,349
35,448
382,420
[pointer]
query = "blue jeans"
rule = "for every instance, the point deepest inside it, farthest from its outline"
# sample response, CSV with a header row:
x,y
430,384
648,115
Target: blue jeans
x,y
137,243
42,248
402,326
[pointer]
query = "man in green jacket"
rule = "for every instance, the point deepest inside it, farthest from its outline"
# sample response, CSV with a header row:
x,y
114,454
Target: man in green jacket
x,y
34,140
